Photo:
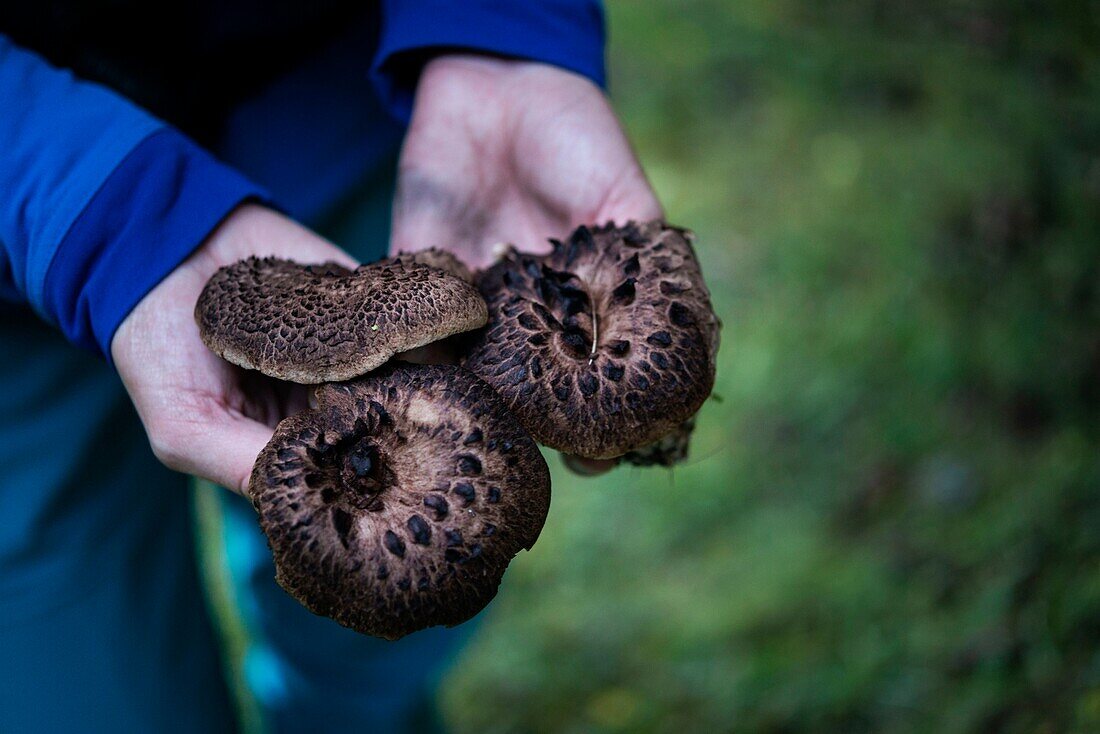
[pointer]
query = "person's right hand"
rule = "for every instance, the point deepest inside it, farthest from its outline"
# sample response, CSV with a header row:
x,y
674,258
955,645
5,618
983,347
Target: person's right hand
x,y
203,415
512,151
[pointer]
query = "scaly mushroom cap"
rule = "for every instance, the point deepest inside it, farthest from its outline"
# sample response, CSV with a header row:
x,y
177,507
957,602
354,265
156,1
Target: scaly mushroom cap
x,y
325,323
444,260
604,345
398,502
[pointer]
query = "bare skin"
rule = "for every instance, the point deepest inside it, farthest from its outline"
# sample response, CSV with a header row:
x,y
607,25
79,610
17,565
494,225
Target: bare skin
x,y
497,151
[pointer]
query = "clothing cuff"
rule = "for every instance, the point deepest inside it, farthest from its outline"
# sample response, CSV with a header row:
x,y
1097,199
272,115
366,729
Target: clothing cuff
x,y
154,209
566,33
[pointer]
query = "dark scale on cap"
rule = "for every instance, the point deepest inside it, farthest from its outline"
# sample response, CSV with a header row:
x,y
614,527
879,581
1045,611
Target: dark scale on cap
x,y
668,288
680,315
373,542
394,544
420,529
469,465
613,372
341,522
362,460
439,504
596,314
660,339
465,490
618,348
327,323
624,294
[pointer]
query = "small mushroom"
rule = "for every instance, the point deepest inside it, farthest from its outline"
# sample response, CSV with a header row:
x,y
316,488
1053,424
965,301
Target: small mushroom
x,y
603,346
326,323
399,501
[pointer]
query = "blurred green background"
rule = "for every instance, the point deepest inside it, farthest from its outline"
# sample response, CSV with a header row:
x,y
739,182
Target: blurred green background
x,y
891,518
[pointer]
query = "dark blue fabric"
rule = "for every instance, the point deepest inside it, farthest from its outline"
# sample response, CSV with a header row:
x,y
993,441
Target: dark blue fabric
x,y
311,136
150,214
565,33
102,200
103,625
59,140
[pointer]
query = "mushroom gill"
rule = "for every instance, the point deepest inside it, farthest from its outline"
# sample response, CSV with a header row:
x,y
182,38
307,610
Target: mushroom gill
x,y
399,501
603,346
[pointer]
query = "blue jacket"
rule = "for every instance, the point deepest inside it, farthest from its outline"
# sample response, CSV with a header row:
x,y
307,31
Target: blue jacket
x,y
101,200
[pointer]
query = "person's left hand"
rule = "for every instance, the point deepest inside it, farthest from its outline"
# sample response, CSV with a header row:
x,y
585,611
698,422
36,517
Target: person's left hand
x,y
513,152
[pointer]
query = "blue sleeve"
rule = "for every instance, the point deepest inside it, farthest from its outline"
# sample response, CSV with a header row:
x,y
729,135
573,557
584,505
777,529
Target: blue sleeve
x,y
565,33
101,200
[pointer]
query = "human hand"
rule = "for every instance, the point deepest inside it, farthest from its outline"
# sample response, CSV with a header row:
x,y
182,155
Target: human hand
x,y
512,152
203,415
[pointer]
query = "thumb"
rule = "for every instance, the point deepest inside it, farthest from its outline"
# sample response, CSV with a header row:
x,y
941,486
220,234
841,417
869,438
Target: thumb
x,y
222,451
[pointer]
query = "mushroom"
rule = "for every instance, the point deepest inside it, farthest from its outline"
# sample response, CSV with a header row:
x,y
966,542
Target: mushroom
x,y
668,450
444,260
399,501
326,323
604,345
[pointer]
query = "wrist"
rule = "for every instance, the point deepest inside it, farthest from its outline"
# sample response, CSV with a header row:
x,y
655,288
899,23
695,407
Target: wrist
x,y
497,79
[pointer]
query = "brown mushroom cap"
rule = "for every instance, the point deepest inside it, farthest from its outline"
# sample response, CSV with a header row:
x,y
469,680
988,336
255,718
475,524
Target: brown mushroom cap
x,y
322,323
444,260
604,345
397,504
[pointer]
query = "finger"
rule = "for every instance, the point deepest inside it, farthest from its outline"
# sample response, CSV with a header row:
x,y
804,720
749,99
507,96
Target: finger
x,y
587,467
255,230
630,197
222,451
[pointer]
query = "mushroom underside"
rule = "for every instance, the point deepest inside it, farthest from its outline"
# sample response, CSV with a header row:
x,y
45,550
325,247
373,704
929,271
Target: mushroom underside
x,y
669,450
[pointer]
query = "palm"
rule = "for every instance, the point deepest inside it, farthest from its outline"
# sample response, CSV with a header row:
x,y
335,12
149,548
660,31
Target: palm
x,y
511,152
